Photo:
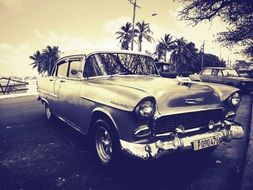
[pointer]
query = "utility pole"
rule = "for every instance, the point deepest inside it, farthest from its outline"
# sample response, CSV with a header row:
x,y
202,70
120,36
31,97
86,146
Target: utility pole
x,y
202,55
134,3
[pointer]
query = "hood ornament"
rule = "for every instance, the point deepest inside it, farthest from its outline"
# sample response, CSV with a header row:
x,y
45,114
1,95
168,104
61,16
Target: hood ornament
x,y
194,101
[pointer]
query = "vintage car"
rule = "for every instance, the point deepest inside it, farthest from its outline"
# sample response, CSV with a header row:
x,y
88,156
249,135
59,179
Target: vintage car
x,y
168,70
119,100
246,73
225,76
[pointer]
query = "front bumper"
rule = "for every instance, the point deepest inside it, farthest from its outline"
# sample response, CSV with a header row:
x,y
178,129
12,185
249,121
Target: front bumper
x,y
161,147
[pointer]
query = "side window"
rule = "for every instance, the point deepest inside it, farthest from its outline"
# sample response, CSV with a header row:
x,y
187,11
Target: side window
x,y
74,68
93,67
219,73
89,69
215,72
207,72
225,73
62,69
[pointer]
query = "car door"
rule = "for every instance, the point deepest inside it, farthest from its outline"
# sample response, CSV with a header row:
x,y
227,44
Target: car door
x,y
61,73
48,83
217,76
206,75
69,92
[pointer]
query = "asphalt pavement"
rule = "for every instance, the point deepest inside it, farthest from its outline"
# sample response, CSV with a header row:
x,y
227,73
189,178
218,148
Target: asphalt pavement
x,y
36,154
247,181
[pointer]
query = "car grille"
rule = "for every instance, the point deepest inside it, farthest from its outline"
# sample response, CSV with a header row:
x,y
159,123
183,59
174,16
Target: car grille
x,y
189,120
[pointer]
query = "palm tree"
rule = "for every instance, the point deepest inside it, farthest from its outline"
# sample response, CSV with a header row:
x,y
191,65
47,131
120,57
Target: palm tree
x,y
37,61
46,60
50,57
143,32
179,53
124,35
164,46
192,58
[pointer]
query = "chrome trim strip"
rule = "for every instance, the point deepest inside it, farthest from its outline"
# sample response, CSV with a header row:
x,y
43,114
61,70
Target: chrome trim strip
x,y
49,93
194,101
163,134
95,101
230,114
74,126
192,130
108,105
158,148
141,129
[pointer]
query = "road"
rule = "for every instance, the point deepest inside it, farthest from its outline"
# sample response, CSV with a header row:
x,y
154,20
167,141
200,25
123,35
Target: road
x,y
37,154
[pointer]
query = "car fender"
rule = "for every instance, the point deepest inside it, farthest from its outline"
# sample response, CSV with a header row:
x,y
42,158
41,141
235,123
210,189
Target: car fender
x,y
224,91
104,112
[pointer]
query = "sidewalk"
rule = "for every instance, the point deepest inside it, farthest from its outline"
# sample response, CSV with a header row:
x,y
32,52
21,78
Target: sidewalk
x,y
17,95
247,181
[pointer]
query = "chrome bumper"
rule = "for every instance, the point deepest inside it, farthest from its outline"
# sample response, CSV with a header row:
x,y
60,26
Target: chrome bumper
x,y
158,148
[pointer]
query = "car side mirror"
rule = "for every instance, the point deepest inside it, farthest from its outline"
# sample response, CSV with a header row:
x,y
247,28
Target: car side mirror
x,y
74,71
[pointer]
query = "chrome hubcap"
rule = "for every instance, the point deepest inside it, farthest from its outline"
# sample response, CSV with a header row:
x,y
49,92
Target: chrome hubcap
x,y
104,145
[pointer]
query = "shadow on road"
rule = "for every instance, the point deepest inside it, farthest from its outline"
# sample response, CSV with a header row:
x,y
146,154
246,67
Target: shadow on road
x,y
174,171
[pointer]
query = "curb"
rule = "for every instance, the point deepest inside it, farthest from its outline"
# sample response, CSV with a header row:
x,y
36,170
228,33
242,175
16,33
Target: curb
x,y
8,96
247,178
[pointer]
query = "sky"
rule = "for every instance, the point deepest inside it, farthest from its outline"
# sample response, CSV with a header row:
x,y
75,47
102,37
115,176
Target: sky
x,y
76,25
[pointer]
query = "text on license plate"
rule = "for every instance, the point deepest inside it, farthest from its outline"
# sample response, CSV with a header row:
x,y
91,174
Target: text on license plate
x,y
206,142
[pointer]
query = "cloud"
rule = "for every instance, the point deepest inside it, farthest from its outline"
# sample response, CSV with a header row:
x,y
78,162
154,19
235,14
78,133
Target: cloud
x,y
15,60
114,25
5,46
67,43
12,4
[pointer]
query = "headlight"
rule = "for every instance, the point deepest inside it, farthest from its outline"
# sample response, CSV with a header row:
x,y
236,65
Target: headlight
x,y
146,108
235,99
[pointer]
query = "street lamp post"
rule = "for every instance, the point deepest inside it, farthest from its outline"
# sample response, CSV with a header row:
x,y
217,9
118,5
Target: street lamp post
x,y
202,54
134,3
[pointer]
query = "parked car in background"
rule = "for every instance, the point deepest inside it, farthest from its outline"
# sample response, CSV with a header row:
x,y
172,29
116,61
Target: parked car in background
x,y
120,101
245,73
168,70
225,76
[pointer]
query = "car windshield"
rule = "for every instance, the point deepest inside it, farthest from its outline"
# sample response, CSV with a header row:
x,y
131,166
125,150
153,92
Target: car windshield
x,y
103,64
230,73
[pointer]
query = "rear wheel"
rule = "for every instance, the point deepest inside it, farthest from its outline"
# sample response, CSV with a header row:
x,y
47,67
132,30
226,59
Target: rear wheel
x,y
106,142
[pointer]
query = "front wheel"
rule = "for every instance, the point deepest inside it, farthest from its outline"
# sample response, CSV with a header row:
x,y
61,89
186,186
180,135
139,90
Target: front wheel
x,y
106,142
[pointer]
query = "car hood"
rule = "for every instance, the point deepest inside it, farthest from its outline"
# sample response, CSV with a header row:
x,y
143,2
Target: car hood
x,y
170,95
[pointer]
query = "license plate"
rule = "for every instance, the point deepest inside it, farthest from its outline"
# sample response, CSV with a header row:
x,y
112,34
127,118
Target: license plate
x,y
205,143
